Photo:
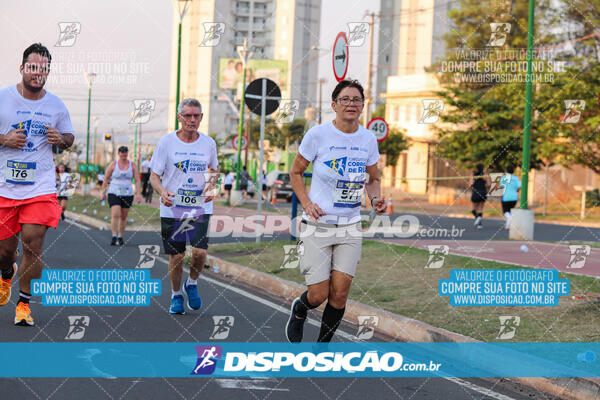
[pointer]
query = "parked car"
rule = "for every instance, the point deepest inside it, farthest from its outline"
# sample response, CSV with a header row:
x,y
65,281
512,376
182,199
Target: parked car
x,y
280,181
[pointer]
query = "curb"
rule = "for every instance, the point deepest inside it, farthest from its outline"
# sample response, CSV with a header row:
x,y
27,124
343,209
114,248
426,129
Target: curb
x,y
406,329
576,224
96,223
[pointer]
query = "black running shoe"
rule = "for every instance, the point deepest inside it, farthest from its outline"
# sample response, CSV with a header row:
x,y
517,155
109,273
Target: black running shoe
x,y
113,241
295,325
120,241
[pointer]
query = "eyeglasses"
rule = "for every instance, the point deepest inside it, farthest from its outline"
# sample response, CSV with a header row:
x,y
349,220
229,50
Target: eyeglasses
x,y
345,101
189,116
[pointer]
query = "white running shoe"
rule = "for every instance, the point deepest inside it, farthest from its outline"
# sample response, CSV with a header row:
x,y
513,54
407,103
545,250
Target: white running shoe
x,y
477,221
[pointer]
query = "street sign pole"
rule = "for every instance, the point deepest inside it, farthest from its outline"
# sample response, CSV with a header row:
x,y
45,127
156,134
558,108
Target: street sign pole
x,y
269,95
261,156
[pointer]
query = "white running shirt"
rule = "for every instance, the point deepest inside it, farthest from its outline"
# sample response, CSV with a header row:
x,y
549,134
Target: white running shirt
x,y
30,171
339,170
182,167
120,181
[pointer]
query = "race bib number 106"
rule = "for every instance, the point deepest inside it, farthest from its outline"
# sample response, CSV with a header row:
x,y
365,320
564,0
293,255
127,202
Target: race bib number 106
x,y
188,198
19,172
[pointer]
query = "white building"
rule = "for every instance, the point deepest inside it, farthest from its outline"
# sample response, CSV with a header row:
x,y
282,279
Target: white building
x,y
283,30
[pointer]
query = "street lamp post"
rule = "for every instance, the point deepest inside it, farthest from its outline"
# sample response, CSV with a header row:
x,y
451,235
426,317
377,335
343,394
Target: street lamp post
x,y
182,13
96,120
89,76
244,54
527,119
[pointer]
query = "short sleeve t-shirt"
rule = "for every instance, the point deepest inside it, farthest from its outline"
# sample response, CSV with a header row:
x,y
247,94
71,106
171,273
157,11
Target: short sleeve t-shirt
x,y
30,171
511,184
182,167
339,170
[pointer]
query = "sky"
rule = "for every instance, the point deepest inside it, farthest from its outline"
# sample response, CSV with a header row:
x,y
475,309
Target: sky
x,y
129,44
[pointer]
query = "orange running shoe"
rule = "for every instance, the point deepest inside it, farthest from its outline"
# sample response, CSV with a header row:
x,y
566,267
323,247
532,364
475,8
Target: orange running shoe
x,y
23,315
5,285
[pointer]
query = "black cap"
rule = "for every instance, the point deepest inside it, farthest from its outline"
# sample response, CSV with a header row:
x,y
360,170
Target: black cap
x,y
123,149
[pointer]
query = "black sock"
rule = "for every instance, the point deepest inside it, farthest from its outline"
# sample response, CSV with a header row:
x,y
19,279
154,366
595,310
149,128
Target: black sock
x,y
474,213
480,215
24,297
304,305
8,273
330,322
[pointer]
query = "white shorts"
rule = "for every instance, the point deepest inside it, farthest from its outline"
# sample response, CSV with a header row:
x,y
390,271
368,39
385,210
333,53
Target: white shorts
x,y
324,247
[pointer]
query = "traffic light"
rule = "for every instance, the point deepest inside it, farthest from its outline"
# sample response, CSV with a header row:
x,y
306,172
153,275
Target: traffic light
x,y
107,137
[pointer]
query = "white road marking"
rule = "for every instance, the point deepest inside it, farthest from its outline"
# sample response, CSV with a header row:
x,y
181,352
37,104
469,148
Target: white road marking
x,y
70,221
252,384
285,310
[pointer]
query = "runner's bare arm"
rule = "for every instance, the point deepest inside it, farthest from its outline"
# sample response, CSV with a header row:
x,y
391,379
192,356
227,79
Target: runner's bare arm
x,y
296,179
165,195
61,140
138,183
14,139
374,190
109,170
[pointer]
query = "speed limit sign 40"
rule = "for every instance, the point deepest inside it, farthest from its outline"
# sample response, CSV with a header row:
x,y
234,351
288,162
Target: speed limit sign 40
x,y
379,127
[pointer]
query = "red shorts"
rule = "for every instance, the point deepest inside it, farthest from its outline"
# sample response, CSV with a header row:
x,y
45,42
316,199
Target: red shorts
x,y
41,210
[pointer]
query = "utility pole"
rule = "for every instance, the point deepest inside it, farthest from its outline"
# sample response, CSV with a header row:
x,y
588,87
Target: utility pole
x,y
321,82
244,54
368,99
89,76
181,15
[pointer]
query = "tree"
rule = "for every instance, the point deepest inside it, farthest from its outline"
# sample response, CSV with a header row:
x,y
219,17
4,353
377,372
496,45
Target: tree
x,y
484,121
392,146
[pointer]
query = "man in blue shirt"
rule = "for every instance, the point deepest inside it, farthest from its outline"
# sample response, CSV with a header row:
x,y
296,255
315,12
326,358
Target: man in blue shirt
x,y
510,195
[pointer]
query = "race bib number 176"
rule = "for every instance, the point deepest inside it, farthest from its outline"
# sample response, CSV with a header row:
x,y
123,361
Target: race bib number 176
x,y
19,172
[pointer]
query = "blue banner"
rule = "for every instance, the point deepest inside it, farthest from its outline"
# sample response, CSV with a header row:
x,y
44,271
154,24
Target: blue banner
x,y
364,359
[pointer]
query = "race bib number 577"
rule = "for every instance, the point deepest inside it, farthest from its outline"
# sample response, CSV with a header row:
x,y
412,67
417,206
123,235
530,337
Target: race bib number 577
x,y
347,193
19,172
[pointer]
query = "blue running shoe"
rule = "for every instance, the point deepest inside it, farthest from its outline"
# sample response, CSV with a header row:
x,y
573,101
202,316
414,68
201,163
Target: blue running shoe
x,y
177,305
194,300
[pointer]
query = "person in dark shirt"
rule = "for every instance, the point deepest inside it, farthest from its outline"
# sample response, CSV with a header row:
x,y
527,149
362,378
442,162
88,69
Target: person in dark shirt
x,y
479,187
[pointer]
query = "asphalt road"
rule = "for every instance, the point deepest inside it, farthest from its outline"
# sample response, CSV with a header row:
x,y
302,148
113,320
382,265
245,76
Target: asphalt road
x,y
258,318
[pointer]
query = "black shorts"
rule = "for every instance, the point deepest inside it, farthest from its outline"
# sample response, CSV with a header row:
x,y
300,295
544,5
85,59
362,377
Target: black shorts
x,y
59,198
122,201
264,187
176,233
228,186
507,205
477,197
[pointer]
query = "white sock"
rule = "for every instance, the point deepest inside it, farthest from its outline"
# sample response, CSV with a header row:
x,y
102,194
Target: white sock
x,y
176,293
507,215
191,281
